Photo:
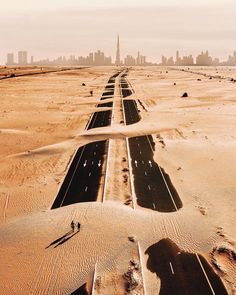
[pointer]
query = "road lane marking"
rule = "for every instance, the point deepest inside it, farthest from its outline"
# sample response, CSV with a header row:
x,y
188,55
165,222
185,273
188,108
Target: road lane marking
x,y
99,163
149,187
212,290
154,206
163,178
85,163
90,174
106,169
136,163
168,189
145,173
171,267
150,163
73,174
86,189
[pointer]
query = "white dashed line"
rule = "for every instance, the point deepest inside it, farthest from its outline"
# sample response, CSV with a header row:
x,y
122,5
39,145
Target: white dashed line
x,y
172,270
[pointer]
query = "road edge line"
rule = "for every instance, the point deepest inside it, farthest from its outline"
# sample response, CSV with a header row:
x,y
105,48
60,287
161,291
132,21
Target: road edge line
x,y
134,200
106,172
94,278
204,272
141,266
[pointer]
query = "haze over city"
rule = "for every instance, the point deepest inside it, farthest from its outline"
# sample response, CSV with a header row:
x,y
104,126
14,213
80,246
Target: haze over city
x,y
51,29
118,141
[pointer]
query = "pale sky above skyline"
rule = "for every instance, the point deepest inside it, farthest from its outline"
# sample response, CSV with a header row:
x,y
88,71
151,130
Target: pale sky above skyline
x,y
74,27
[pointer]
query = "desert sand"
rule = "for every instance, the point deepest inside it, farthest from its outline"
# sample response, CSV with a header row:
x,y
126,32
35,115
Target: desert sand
x,y
42,123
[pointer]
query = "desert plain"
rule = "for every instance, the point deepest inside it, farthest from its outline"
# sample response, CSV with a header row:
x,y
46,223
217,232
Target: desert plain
x,y
43,121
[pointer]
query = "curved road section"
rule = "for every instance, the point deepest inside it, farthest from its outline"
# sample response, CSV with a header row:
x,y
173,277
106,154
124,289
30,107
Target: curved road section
x,y
153,187
82,181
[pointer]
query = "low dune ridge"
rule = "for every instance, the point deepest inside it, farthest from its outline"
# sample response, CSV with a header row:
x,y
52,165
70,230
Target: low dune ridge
x,y
43,123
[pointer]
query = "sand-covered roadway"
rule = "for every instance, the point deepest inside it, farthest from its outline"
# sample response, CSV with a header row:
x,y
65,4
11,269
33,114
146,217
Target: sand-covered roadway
x,y
182,273
44,121
179,273
83,179
153,187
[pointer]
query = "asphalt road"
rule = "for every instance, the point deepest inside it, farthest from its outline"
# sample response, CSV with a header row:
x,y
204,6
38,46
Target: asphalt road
x,y
182,273
153,187
82,181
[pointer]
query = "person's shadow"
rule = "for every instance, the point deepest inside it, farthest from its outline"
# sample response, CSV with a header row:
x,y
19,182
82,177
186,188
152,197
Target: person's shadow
x,y
63,239
180,272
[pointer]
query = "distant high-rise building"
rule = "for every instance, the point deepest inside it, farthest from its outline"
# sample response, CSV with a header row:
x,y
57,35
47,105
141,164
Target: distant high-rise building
x,y
204,59
22,58
10,59
129,60
31,59
99,58
118,62
138,59
177,62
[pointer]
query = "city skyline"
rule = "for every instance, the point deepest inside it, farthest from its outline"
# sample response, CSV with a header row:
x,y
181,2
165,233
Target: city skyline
x,y
68,27
99,58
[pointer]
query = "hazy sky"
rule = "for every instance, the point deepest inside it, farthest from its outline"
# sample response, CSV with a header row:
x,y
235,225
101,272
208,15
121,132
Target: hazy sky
x,y
49,28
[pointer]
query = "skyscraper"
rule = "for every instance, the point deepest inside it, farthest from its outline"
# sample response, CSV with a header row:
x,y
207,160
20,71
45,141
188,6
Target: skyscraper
x,y
117,62
22,58
10,59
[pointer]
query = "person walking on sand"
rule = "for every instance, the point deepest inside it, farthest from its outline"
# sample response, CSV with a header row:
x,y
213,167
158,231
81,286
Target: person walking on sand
x,y
72,225
78,226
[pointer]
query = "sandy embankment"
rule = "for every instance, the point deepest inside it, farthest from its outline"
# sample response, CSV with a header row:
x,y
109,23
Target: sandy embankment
x,y
40,119
195,144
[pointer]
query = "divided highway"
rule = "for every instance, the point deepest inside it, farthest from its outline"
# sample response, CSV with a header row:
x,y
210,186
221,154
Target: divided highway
x,y
82,181
153,187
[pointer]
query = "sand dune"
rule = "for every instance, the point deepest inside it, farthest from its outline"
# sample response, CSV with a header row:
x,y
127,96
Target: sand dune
x,y
43,122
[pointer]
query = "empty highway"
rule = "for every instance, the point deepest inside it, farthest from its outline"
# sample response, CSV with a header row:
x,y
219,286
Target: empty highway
x,y
153,187
82,181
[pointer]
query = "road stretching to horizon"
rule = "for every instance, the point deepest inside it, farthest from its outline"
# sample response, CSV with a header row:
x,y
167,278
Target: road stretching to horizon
x,y
82,180
153,187
181,273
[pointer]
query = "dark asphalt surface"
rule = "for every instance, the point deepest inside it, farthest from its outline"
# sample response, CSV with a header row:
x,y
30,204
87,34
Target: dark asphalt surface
x,y
153,187
180,272
82,181
83,290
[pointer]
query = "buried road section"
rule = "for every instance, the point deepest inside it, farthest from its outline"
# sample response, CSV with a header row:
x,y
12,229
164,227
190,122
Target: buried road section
x,y
182,273
82,181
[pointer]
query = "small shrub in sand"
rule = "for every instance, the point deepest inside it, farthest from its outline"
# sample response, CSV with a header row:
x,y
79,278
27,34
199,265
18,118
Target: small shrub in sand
x,y
131,279
132,239
185,94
